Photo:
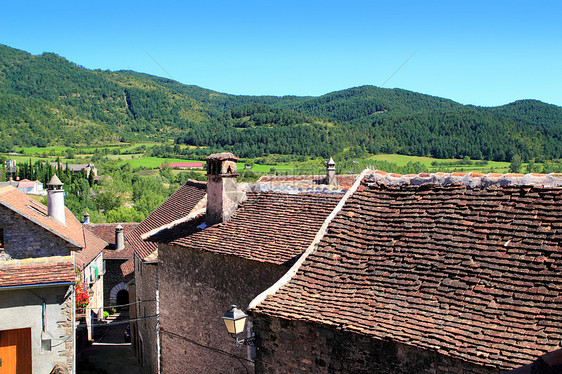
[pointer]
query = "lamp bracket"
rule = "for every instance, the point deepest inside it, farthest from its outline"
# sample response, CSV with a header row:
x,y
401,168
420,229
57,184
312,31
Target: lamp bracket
x,y
247,341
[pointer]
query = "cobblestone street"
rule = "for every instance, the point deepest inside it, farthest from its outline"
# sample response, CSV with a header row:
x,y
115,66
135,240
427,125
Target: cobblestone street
x,y
110,353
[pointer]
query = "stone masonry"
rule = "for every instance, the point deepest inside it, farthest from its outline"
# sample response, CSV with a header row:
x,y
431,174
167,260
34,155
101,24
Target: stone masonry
x,y
66,324
31,240
286,346
112,278
145,299
196,289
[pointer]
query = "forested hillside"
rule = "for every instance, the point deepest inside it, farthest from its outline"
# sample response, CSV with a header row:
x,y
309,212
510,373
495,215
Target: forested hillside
x,y
47,100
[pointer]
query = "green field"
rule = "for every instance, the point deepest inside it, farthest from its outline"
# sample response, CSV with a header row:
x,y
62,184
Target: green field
x,y
35,150
151,162
155,162
21,159
138,160
402,160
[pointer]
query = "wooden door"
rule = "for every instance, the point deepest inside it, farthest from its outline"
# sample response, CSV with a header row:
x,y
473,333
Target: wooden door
x,y
8,359
15,351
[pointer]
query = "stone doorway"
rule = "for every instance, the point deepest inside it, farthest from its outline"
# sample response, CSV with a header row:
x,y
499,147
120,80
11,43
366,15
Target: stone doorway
x,y
119,295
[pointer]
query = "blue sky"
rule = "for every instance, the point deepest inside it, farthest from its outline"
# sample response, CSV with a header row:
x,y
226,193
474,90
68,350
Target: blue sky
x,y
475,52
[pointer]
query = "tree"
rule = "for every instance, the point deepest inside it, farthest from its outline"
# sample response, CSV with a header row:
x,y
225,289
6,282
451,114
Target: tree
x,y
532,167
516,164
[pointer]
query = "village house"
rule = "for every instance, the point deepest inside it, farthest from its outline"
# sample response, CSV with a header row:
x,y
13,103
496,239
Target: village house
x,y
433,273
243,241
402,280
77,168
34,238
143,288
26,186
115,254
37,315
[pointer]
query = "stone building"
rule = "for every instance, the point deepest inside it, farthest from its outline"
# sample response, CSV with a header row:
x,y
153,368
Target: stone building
x,y
245,239
33,238
37,315
116,253
434,273
143,288
28,229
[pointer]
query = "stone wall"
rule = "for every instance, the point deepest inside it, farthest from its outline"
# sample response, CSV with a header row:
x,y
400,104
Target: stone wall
x,y
22,308
146,278
196,289
24,239
112,277
299,347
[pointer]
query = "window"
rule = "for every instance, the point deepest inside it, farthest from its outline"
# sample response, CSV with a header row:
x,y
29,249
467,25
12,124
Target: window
x,y
1,237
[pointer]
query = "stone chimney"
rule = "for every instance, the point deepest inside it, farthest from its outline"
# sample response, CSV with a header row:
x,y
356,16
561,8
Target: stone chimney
x,y
222,188
119,239
331,173
86,218
55,200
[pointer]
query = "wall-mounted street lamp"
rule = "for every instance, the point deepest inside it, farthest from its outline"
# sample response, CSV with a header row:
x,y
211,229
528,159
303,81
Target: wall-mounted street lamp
x,y
235,320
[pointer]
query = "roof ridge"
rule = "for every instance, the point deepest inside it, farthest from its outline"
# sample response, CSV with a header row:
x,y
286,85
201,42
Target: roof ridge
x,y
471,179
36,261
294,188
311,248
6,189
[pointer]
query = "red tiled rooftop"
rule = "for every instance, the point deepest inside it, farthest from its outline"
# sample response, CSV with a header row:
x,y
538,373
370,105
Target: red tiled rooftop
x,y
73,232
473,272
127,267
345,181
35,271
25,183
268,227
106,231
184,165
178,206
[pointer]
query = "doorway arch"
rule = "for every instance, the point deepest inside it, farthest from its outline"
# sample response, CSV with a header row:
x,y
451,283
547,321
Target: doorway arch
x,y
118,294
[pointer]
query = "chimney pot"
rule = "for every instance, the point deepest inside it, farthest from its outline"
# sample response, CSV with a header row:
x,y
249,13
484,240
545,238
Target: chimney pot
x,y
222,187
86,218
331,173
55,200
119,238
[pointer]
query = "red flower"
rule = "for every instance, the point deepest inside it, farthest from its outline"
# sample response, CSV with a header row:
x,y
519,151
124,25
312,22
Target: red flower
x,y
82,298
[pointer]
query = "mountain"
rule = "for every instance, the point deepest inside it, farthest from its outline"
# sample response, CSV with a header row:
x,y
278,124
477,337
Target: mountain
x,y
47,100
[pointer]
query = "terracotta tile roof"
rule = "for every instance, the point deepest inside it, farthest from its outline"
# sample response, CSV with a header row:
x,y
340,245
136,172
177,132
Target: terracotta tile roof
x,y
345,181
91,249
34,271
169,234
178,206
472,272
26,183
127,267
73,232
106,232
267,227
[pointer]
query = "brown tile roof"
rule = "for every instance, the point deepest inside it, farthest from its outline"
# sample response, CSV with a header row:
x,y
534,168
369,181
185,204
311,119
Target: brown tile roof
x,y
106,232
267,227
345,181
473,273
91,249
178,206
73,232
127,267
34,271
